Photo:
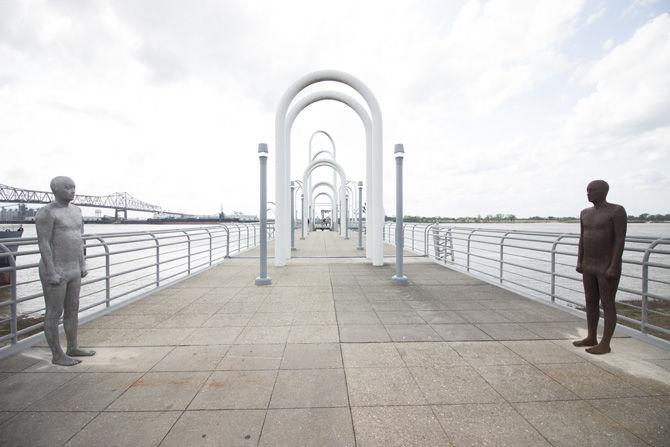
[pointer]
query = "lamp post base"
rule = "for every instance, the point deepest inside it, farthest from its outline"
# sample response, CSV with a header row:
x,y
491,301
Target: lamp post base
x,y
263,281
400,280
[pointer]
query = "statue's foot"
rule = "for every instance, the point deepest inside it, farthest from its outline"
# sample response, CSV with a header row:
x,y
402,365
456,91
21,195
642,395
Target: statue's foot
x,y
599,349
78,352
585,342
64,360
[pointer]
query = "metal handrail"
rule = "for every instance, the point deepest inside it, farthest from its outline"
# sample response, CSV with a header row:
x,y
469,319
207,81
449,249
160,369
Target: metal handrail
x,y
538,264
121,266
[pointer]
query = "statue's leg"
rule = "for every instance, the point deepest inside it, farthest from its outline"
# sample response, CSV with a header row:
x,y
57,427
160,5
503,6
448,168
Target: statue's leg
x,y
591,295
54,298
607,290
71,319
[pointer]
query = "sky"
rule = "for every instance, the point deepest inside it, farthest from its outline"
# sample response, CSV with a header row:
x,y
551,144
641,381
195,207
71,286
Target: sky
x,y
503,106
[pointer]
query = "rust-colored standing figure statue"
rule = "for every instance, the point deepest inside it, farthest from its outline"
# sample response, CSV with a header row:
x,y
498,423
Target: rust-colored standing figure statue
x,y
601,243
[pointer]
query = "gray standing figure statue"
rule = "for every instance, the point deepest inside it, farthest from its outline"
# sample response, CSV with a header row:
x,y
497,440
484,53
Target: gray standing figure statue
x,y
62,265
601,242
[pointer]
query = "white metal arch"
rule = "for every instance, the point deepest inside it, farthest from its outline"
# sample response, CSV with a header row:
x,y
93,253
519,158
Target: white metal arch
x,y
333,188
343,179
332,152
309,99
332,206
374,180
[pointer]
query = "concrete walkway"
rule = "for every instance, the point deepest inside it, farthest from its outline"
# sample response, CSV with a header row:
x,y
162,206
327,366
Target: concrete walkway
x,y
333,354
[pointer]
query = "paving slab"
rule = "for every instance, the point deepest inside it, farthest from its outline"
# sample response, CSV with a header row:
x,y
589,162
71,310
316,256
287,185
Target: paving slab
x,y
122,429
486,353
160,391
590,382
524,383
314,334
572,423
412,332
382,386
43,429
432,355
313,355
487,424
305,388
646,417
230,428
363,333
235,390
398,427
460,332
308,427
86,392
22,389
371,355
252,357
454,385
541,351
192,358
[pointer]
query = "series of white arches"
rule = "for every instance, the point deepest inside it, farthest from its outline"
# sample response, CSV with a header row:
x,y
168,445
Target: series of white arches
x,y
372,122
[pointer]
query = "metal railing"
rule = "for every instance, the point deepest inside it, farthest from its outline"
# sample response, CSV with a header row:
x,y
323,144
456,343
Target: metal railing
x,y
542,265
121,266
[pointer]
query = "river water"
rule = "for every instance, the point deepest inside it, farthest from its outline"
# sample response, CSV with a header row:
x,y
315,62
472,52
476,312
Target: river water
x,y
32,285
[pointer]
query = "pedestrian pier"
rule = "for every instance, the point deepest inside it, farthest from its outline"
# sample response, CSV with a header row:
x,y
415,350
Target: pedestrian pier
x,y
332,353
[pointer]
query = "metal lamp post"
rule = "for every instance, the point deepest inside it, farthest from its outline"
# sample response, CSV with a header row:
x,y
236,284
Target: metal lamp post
x,y
360,216
346,216
292,216
302,216
263,279
399,277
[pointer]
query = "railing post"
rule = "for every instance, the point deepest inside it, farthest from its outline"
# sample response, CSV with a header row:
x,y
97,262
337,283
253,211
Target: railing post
x,y
644,320
449,243
553,267
437,246
210,246
502,253
188,257
413,227
467,265
12,291
108,291
426,236
227,241
158,260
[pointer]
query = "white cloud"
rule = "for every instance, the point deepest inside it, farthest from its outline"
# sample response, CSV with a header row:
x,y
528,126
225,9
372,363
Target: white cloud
x,y
168,102
632,92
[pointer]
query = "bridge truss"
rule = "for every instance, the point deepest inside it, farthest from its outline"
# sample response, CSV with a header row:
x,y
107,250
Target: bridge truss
x,y
117,200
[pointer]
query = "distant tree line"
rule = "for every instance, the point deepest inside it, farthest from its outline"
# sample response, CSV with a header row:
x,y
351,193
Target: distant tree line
x,y
498,218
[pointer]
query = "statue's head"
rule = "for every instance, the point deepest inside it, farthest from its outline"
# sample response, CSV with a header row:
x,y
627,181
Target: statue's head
x,y
63,188
596,191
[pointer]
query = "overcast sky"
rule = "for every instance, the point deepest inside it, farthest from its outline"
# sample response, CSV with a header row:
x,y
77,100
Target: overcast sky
x,y
503,106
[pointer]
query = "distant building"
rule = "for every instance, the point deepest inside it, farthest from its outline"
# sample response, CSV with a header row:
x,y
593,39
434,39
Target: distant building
x,y
20,213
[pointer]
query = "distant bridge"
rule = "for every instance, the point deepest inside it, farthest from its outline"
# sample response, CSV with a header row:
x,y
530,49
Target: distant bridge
x,y
119,201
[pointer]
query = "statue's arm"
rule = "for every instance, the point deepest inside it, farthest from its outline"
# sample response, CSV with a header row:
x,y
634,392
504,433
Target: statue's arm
x,y
82,254
44,224
620,222
580,246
